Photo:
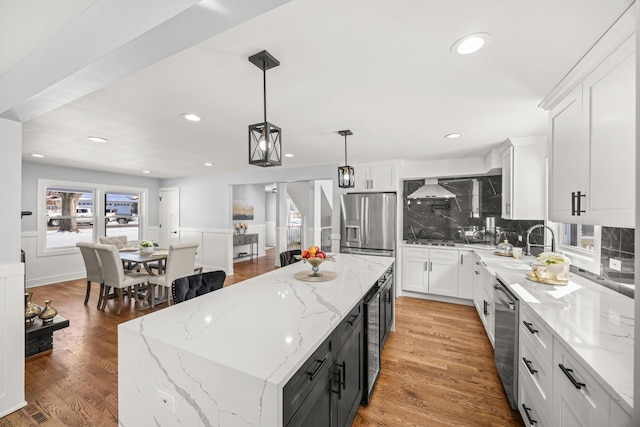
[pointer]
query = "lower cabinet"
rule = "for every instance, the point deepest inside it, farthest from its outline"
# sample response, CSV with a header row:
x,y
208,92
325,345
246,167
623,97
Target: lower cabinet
x,y
386,310
483,298
432,271
327,389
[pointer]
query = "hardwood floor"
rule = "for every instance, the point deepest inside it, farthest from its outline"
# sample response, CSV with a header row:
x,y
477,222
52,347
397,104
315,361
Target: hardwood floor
x,y
437,368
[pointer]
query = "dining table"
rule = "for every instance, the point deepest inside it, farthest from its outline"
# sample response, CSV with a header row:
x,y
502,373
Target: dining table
x,y
134,257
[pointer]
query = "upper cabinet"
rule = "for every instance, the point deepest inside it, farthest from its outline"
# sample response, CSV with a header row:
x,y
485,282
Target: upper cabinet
x,y
376,177
592,129
523,172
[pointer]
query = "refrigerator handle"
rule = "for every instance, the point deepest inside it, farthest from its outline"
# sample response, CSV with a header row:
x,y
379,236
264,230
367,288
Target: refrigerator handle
x,y
367,219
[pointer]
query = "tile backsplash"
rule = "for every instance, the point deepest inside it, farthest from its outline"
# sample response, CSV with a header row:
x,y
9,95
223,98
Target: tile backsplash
x,y
618,244
473,216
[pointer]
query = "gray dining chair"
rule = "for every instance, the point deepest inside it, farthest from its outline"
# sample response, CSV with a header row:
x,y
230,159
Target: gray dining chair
x,y
180,262
115,276
94,269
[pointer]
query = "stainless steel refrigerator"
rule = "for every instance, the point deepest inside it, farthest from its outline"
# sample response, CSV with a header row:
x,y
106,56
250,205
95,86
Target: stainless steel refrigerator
x,y
368,223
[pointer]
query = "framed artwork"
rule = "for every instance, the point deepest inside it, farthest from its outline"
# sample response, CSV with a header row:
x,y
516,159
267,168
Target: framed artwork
x,y
242,210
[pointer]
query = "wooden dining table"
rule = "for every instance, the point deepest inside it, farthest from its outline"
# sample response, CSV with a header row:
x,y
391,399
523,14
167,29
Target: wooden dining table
x,y
134,257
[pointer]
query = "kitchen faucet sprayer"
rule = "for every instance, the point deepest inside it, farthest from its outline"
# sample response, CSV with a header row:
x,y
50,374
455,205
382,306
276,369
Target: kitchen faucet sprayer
x,y
553,238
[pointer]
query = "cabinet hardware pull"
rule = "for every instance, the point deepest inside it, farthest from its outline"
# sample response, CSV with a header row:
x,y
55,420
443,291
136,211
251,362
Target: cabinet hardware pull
x,y
573,203
477,272
578,198
353,318
339,391
526,412
321,363
486,308
430,265
569,373
529,365
461,259
529,326
343,382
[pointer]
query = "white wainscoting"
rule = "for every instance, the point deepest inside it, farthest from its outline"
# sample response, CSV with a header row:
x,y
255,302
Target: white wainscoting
x,y
11,338
216,247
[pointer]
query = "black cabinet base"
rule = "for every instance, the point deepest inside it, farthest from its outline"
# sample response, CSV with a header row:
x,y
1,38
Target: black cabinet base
x,y
39,336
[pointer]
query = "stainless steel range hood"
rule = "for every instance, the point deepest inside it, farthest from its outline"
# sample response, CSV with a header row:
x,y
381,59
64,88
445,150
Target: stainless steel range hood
x,y
431,190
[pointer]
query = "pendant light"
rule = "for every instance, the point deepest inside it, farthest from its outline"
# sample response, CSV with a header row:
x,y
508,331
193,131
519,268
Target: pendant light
x,y
346,175
265,143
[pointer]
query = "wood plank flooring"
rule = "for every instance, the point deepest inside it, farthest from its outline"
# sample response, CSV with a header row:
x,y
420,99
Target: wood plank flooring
x,y
437,368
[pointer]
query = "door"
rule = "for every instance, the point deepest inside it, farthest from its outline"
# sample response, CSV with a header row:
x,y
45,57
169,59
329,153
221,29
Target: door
x,y
169,217
379,221
352,220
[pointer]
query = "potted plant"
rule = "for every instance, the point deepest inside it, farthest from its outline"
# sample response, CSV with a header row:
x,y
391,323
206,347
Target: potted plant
x,y
555,263
147,246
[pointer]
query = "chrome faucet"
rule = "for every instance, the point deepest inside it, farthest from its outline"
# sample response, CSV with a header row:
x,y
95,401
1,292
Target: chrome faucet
x,y
553,238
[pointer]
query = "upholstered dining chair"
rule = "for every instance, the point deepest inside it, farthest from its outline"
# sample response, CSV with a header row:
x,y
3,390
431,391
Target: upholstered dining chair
x,y
94,269
190,287
115,276
180,262
119,241
288,257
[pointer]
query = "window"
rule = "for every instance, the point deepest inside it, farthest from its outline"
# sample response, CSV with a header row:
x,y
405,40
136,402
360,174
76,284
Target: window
x,y
73,212
581,243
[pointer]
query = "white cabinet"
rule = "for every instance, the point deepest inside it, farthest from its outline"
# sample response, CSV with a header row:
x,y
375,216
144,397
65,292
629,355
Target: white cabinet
x,y
432,271
370,177
483,297
578,400
592,153
523,178
466,275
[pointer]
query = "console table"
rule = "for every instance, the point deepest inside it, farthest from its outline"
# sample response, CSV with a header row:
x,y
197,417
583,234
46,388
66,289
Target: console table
x,y
247,239
39,337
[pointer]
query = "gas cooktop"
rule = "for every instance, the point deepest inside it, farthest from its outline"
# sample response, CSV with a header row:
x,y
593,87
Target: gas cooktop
x,y
430,242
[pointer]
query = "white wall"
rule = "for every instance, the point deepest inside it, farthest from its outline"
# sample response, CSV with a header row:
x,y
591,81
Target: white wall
x,y
11,272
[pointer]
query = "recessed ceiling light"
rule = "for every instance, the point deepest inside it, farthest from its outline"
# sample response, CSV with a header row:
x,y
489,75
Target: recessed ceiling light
x,y
453,135
208,164
191,117
288,155
38,155
471,43
96,139
146,171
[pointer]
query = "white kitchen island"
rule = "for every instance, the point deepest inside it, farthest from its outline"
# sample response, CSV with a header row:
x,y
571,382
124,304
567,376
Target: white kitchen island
x,y
222,359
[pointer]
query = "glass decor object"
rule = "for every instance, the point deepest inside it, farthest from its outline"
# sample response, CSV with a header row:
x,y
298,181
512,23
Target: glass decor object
x,y
48,313
346,174
265,139
31,310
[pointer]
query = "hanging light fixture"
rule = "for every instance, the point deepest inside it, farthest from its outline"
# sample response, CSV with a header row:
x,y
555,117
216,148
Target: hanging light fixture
x,y
265,143
346,175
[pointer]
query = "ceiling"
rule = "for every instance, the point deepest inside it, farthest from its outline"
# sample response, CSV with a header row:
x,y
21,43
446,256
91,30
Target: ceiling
x,y
381,68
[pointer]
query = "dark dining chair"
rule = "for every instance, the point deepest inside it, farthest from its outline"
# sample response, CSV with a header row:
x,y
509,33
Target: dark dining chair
x,y
198,284
288,257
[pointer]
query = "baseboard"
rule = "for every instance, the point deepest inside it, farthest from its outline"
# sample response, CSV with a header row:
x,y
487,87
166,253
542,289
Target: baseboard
x,y
49,280
13,409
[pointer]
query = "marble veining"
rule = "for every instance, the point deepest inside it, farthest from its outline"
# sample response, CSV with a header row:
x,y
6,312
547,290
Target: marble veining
x,y
226,356
595,323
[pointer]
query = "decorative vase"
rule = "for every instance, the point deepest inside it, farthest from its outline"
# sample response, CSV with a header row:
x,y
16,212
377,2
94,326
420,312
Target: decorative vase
x,y
555,270
147,249
30,309
48,313
315,266
242,231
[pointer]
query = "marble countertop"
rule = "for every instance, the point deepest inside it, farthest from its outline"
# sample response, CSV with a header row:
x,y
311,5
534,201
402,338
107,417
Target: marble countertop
x,y
595,322
250,337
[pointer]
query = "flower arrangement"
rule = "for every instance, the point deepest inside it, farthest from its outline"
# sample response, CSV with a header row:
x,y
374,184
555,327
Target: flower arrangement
x,y
241,227
551,258
147,244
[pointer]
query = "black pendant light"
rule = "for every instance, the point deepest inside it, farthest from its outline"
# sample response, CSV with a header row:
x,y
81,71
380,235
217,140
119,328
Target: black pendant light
x,y
265,139
346,175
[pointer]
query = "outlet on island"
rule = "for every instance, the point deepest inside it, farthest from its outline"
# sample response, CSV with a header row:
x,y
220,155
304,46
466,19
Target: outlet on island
x,y
167,400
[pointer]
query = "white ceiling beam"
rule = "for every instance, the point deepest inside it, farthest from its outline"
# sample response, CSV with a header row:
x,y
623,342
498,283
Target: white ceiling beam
x,y
112,39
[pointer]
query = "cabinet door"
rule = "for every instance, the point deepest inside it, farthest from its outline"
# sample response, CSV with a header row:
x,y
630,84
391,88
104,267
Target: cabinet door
x,y
466,275
477,285
414,273
569,160
317,410
348,378
362,177
443,272
609,98
507,180
382,178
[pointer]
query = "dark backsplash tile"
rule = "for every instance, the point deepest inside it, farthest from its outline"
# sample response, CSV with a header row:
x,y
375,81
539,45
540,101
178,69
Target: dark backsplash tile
x,y
618,243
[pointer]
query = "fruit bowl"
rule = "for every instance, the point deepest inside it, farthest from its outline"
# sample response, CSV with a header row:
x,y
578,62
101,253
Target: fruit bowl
x,y
315,257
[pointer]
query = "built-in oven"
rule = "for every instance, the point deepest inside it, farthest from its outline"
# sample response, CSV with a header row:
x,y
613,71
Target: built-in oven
x,y
506,339
372,342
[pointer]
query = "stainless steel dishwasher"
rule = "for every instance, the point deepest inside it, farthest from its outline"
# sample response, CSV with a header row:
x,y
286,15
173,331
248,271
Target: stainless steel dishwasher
x,y
506,340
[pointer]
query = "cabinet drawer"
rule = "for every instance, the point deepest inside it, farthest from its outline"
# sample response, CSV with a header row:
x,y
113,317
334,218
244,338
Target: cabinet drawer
x,y
578,399
303,381
532,411
534,328
446,254
537,370
416,252
348,325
